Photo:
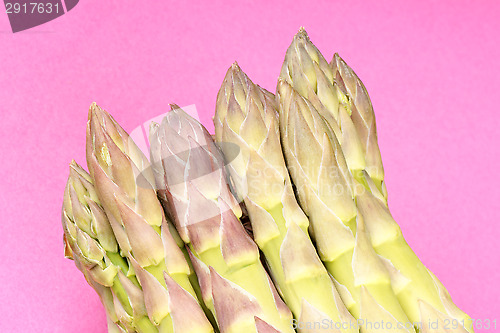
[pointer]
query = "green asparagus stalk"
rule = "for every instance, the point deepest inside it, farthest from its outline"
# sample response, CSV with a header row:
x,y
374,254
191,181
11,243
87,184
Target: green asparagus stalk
x,y
192,185
358,102
123,183
419,291
424,286
92,245
105,295
309,73
325,189
247,116
342,100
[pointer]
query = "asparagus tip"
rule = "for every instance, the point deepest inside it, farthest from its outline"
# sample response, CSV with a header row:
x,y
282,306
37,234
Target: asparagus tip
x,y
173,106
235,66
302,33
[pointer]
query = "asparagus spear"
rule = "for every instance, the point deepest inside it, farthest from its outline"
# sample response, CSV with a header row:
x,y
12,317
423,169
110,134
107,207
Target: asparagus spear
x,y
425,282
325,188
192,185
342,100
123,183
91,243
309,73
247,116
363,118
105,295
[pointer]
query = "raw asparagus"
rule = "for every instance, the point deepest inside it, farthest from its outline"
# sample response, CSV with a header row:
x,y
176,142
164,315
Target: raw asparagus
x,y
91,242
309,73
325,188
192,184
342,100
246,115
123,183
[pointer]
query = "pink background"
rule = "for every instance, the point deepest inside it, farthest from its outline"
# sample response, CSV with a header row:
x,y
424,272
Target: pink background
x,y
432,70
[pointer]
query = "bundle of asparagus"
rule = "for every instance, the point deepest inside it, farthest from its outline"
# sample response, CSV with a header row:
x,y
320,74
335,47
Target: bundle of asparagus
x,y
163,243
246,115
335,104
121,240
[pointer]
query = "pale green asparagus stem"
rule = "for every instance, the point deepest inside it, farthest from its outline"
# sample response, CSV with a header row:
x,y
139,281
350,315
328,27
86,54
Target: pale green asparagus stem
x,y
425,293
91,243
325,189
105,294
192,184
123,181
422,295
340,97
247,116
309,73
363,118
